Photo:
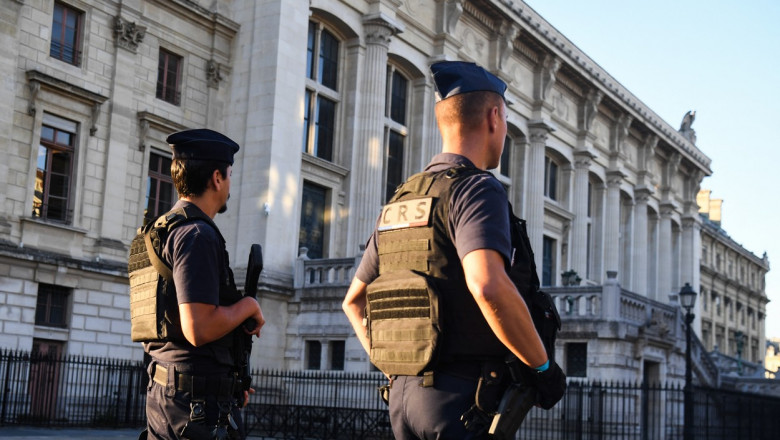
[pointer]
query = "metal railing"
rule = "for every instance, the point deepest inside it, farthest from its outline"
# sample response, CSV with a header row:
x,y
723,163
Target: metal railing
x,y
91,392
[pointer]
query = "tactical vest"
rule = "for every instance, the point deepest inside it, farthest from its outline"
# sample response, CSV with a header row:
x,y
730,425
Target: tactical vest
x,y
154,309
420,312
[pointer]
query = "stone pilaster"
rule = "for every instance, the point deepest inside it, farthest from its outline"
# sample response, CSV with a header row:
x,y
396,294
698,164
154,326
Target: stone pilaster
x,y
579,231
641,196
538,133
665,253
368,154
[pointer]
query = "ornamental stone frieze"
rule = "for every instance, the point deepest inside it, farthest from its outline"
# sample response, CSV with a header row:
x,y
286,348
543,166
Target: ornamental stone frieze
x,y
128,35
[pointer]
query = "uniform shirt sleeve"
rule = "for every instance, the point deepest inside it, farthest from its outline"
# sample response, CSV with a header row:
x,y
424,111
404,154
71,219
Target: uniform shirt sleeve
x,y
194,250
368,270
479,217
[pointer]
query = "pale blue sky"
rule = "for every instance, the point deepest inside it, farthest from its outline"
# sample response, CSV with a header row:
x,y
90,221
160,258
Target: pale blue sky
x,y
720,58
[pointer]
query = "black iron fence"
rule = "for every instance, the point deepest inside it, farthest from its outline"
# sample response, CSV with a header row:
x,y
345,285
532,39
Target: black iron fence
x,y
90,392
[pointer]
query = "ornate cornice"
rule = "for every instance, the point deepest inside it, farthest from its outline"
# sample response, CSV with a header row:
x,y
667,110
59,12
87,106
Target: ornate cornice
x,y
37,80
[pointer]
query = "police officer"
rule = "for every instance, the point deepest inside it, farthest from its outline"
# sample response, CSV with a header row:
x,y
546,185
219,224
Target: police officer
x,y
194,389
463,260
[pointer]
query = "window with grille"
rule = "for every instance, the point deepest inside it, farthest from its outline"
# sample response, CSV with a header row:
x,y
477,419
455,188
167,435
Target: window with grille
x,y
51,199
336,349
66,34
322,96
313,355
51,306
169,70
160,193
577,359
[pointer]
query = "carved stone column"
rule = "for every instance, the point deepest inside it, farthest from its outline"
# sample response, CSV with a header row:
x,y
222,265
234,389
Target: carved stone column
x,y
641,196
539,131
612,221
368,154
579,231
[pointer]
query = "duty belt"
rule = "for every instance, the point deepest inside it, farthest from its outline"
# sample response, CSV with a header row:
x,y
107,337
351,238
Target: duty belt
x,y
209,386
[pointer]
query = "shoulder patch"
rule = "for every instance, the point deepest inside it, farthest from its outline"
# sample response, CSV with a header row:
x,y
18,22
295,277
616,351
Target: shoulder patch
x,y
406,214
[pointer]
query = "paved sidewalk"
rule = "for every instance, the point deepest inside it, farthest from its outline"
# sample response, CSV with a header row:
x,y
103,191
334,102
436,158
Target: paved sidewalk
x,y
30,433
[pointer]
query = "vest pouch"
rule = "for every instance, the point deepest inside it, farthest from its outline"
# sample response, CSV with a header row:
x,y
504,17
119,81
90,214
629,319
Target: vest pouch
x,y
144,278
403,323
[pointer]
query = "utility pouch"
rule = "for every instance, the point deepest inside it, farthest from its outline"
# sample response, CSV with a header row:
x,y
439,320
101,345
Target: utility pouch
x,y
403,323
146,309
512,409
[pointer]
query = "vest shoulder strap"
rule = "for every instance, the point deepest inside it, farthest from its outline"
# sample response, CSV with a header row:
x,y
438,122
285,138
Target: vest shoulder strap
x,y
161,229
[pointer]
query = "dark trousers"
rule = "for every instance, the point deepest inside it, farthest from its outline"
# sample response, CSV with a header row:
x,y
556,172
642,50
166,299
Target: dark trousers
x,y
167,414
428,413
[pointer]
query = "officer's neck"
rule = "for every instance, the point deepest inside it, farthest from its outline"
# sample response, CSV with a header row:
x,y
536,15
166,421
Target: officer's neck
x,y
209,205
472,147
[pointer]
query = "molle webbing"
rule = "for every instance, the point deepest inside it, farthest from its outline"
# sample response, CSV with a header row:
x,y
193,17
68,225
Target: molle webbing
x,y
403,322
404,249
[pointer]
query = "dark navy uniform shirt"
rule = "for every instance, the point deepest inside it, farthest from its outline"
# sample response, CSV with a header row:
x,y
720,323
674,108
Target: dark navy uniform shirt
x,y
196,253
478,219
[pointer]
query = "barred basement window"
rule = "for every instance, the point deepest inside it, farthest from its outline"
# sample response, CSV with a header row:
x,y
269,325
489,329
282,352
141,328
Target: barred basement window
x,y
52,304
313,355
577,359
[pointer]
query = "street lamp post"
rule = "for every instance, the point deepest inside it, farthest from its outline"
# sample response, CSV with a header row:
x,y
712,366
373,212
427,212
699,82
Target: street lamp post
x,y
687,300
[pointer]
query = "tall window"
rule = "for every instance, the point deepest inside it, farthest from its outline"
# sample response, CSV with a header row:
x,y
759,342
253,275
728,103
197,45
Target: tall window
x,y
66,34
51,200
548,261
550,178
313,355
322,96
51,306
397,97
312,232
336,349
160,193
577,359
169,77
506,158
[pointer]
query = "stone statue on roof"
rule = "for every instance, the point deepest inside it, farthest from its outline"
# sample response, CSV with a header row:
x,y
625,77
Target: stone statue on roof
x,y
685,127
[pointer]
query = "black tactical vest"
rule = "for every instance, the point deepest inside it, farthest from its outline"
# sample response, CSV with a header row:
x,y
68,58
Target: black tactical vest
x,y
420,311
154,309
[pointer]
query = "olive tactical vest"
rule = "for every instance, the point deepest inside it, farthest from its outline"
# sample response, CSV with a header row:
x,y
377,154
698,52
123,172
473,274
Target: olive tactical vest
x,y
420,312
154,309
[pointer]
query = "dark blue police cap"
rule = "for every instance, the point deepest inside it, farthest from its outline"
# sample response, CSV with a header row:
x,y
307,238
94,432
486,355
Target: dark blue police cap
x,y
455,77
202,144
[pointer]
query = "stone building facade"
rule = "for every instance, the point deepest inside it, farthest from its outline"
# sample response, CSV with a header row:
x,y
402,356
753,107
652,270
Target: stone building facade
x,y
732,294
332,105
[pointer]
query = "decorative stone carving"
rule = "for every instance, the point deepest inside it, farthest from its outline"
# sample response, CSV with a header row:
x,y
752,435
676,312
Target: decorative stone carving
x,y
379,30
452,10
508,33
213,73
128,34
621,132
591,108
550,66
685,126
144,128
95,113
34,87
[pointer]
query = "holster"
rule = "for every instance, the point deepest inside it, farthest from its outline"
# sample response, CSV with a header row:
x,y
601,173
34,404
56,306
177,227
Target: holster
x,y
514,406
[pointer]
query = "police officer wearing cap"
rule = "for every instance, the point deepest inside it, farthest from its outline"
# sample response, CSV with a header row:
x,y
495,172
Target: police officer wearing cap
x,y
443,242
194,389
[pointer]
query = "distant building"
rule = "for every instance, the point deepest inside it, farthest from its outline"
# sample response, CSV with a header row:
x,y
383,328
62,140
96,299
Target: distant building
x,y
332,104
732,294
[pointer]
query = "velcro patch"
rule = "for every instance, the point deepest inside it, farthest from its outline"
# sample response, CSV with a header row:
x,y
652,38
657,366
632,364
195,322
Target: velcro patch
x,y
406,214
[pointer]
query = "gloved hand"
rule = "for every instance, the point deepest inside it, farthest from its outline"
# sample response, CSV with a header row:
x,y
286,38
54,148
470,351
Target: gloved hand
x,y
550,385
